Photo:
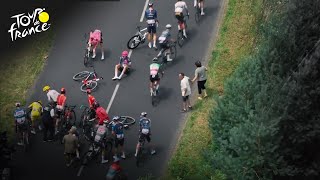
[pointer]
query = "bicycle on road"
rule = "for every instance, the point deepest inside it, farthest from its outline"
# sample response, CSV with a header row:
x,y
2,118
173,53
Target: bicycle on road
x,y
155,93
95,149
163,52
89,79
180,38
138,38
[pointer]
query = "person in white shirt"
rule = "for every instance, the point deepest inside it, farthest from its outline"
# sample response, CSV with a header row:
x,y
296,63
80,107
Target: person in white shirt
x,y
200,4
51,94
178,9
185,91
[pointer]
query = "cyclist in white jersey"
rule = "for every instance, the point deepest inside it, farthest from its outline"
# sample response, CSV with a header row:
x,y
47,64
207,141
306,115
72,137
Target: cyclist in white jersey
x,y
178,9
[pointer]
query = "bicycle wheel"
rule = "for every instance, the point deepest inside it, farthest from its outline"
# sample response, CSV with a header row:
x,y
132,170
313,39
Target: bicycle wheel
x,y
92,85
81,75
173,51
71,117
180,38
133,42
127,120
197,15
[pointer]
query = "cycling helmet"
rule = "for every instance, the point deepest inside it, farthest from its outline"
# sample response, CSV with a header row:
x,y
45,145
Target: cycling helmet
x,y
150,4
63,91
144,114
39,102
88,91
17,104
125,53
46,88
96,104
155,60
198,64
168,26
116,118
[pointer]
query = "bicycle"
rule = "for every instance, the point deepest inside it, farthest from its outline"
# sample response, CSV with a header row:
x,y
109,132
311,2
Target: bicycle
x,y
67,120
138,38
173,52
139,153
180,37
95,149
87,81
198,12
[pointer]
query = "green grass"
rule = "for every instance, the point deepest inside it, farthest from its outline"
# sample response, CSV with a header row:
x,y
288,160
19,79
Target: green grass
x,y
237,39
18,74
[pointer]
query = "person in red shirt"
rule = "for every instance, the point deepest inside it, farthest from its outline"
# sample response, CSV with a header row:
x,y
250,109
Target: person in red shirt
x,y
101,113
91,101
61,102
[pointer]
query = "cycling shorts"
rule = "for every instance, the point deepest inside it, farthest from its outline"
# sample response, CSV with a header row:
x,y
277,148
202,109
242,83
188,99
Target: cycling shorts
x,y
164,45
180,17
35,116
118,142
144,136
155,78
152,29
23,127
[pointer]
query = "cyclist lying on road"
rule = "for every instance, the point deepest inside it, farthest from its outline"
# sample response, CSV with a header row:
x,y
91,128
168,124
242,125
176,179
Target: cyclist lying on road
x,y
123,65
96,39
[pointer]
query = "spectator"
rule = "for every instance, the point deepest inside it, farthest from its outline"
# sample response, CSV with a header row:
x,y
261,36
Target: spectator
x,y
71,144
48,123
201,77
186,92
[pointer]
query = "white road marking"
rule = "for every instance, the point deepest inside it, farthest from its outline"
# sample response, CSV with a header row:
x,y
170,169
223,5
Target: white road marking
x,y
112,97
80,170
144,9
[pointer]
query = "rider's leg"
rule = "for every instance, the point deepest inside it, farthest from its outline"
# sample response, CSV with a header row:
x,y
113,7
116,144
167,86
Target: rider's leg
x,y
137,147
202,6
125,67
103,152
184,30
33,124
149,38
116,71
150,86
153,151
168,52
102,51
195,3
94,52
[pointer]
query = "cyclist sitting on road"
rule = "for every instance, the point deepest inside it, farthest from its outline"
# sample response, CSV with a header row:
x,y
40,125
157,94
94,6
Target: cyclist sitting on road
x,y
21,123
36,111
144,132
71,144
151,16
154,75
61,102
101,113
123,65
100,138
96,39
114,170
201,5
91,100
117,131
164,40
178,9
51,94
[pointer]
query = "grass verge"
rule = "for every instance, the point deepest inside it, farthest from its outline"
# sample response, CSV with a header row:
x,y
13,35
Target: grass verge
x,y
18,74
236,39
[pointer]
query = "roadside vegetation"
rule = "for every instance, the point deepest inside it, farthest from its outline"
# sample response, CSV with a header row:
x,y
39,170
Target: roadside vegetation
x,y
265,123
19,71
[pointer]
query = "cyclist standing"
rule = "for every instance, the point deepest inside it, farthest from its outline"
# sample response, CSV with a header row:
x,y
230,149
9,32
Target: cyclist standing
x,y
51,94
199,2
152,21
100,138
144,132
123,66
117,131
154,75
95,40
91,101
21,124
164,40
61,102
101,113
178,9
36,111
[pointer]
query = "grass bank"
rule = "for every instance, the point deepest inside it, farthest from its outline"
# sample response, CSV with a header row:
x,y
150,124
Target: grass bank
x,y
236,39
18,74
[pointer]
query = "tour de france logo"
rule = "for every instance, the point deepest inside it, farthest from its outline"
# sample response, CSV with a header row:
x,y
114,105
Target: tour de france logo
x,y
27,24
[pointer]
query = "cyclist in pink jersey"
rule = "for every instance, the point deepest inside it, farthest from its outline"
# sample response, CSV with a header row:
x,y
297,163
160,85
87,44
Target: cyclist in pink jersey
x,y
96,39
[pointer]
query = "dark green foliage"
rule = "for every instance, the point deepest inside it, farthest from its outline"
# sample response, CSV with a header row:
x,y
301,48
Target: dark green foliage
x,y
267,125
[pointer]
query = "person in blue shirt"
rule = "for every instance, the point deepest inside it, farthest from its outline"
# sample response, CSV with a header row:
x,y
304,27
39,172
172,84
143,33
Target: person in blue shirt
x,y
117,131
21,123
144,132
151,16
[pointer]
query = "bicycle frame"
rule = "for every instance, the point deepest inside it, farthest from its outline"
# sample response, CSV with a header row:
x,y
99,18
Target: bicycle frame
x,y
142,36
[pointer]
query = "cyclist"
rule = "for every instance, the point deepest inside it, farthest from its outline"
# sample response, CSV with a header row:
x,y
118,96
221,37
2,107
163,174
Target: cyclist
x,y
123,65
100,138
101,113
164,40
36,111
21,123
71,143
48,123
155,68
96,39
61,101
115,170
51,94
152,21
200,2
117,131
91,100
144,132
178,9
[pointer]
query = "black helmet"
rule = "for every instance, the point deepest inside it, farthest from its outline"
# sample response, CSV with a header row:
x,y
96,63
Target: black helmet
x,y
96,104
155,60
198,63
150,4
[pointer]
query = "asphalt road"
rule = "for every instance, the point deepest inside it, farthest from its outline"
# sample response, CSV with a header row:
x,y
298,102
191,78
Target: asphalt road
x,y
117,20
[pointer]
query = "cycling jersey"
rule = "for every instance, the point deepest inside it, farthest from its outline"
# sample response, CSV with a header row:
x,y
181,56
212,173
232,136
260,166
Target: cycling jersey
x,y
20,116
95,37
124,60
91,100
164,37
36,109
151,16
180,6
118,130
61,100
154,69
101,133
145,125
52,95
101,114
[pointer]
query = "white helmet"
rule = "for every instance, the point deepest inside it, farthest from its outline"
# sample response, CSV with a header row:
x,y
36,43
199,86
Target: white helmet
x,y
168,26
